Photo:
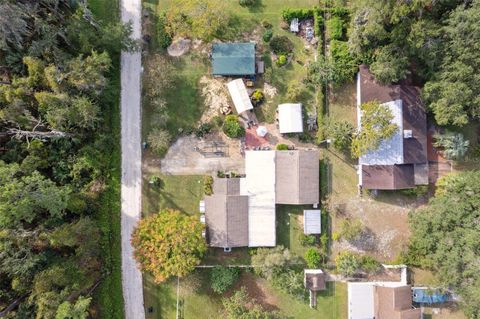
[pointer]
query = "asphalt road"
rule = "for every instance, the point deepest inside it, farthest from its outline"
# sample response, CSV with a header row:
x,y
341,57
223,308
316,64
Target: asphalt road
x,y
131,192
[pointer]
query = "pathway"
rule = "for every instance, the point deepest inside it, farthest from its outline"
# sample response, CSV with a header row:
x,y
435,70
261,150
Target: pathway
x,y
131,192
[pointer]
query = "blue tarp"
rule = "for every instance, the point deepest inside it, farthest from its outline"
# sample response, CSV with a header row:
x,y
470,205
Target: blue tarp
x,y
428,296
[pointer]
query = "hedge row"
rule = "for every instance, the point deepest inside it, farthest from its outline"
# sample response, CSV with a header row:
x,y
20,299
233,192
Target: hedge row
x,y
289,14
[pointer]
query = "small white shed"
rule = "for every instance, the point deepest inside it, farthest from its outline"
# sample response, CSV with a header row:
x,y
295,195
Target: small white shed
x,y
290,118
239,94
312,222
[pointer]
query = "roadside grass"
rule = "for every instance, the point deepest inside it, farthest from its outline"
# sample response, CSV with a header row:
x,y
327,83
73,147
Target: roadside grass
x,y
181,192
108,297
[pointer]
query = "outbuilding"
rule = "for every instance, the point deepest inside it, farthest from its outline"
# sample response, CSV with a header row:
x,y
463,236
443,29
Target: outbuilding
x,y
239,94
290,118
233,59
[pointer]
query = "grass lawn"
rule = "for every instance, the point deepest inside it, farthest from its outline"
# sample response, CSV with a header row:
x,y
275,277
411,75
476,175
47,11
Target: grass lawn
x,y
179,192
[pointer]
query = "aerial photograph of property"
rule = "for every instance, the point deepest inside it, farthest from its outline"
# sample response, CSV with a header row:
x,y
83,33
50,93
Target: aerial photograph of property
x,y
240,159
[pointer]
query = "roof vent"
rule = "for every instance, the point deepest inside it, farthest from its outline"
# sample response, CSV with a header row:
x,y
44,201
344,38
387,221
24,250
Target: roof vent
x,y
407,134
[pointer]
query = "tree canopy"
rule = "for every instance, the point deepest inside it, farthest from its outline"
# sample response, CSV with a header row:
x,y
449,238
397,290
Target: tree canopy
x,y
376,126
169,243
445,236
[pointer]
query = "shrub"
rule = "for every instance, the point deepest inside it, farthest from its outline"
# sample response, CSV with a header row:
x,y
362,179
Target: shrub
x,y
370,264
345,65
208,185
336,236
217,120
347,263
313,258
203,129
272,261
247,3
155,181
291,282
159,140
267,35
317,24
335,28
281,44
418,191
266,24
289,14
232,127
257,96
351,229
282,60
305,240
163,37
341,134
324,243
294,91
223,278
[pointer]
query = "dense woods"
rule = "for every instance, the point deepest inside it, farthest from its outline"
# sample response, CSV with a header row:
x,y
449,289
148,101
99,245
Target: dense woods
x,y
55,95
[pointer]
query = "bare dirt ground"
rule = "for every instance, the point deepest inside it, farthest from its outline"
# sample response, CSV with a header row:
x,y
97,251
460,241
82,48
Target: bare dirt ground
x,y
257,290
179,47
184,159
216,96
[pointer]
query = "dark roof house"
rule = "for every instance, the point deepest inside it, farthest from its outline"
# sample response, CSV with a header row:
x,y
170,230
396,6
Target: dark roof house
x,y
394,303
233,59
226,214
401,161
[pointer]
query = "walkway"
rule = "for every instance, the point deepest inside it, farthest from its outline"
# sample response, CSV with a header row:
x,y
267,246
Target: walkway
x,y
131,192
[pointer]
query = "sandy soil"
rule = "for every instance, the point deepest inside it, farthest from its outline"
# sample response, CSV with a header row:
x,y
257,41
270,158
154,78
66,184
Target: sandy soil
x,y
131,189
216,96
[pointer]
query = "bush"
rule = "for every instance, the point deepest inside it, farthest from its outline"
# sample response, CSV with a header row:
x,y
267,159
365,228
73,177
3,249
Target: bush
x,y
266,24
454,146
418,191
217,120
267,35
335,28
336,236
324,243
294,91
345,65
289,14
281,45
341,134
313,258
223,278
163,37
247,3
232,127
272,261
351,229
257,96
291,282
282,60
305,240
370,264
317,24
159,140
208,185
203,129
347,263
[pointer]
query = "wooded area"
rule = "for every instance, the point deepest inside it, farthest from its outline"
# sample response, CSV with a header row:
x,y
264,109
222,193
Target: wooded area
x,y
57,67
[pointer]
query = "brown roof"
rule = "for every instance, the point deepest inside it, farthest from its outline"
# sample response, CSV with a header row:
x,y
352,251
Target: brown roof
x,y
297,177
414,119
226,186
388,177
414,115
314,281
226,214
394,303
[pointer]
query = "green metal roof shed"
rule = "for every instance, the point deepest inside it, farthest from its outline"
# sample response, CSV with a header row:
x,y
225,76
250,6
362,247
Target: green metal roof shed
x,y
233,59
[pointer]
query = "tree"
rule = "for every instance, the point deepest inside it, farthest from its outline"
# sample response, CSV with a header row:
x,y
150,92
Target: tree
x,y
376,126
239,306
271,261
159,140
454,91
445,236
202,19
281,44
29,198
222,278
390,65
320,72
77,310
291,282
168,244
347,263
453,145
313,258
340,132
232,127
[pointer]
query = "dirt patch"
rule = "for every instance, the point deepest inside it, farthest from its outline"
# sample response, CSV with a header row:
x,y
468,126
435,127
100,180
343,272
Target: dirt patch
x,y
256,289
179,47
269,90
215,94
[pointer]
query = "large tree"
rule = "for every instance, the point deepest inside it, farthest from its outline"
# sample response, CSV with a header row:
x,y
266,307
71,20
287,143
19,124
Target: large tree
x,y
169,243
376,126
445,236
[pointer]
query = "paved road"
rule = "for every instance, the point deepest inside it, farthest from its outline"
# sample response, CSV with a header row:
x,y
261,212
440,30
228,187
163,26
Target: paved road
x,y
131,163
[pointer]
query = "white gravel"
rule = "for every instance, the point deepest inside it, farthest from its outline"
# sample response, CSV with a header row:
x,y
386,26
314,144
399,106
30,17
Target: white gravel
x,y
131,64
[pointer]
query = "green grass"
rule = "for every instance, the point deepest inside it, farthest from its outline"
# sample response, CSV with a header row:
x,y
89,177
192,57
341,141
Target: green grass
x,y
290,228
181,192
331,304
108,296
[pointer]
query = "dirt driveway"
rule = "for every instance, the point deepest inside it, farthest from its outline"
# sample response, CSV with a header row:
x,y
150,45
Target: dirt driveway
x,y
184,157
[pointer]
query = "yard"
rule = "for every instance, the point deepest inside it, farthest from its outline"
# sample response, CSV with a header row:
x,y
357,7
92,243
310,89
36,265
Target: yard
x,y
204,303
